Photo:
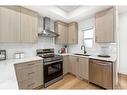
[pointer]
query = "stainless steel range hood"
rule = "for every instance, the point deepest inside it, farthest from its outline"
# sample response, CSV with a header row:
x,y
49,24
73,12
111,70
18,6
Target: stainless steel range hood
x,y
46,32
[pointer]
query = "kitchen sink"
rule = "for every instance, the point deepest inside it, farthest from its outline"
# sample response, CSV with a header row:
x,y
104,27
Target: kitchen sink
x,y
81,54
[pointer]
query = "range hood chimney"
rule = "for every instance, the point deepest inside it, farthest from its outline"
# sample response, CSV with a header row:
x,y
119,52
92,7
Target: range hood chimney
x,y
46,32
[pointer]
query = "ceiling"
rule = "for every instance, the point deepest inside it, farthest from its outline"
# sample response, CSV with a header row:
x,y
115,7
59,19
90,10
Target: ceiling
x,y
68,8
71,13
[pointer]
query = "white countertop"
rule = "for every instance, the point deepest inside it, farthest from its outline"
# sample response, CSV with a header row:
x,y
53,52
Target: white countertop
x,y
7,72
112,57
8,77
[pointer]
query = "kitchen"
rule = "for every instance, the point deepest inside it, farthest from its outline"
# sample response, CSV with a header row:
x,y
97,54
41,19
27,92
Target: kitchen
x,y
40,47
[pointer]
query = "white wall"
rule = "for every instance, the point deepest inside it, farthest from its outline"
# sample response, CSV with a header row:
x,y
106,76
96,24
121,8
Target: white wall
x,y
123,43
85,24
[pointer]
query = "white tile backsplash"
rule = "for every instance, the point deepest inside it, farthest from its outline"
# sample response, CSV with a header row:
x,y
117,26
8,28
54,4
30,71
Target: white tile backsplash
x,y
29,48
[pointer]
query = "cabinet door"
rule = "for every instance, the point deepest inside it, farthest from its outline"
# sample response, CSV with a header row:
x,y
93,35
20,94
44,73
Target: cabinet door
x,y
105,24
73,33
73,65
9,25
65,65
61,28
83,68
28,28
70,34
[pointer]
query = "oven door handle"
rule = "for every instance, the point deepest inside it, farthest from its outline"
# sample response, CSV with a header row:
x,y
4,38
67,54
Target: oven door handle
x,y
47,63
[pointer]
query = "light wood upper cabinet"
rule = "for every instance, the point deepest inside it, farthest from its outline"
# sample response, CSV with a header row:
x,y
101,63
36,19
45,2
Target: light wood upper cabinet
x,y
68,32
105,24
17,24
73,33
28,27
61,28
9,25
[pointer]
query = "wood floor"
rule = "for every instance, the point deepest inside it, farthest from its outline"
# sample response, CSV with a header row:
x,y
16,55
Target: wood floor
x,y
122,83
71,82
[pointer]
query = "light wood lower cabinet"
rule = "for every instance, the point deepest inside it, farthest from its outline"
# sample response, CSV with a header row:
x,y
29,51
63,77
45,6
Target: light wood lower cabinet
x,y
29,74
73,61
79,66
66,64
84,67
100,73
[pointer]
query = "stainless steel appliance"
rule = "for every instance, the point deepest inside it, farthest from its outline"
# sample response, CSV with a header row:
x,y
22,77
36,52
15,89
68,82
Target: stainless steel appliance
x,y
53,66
46,25
2,55
101,73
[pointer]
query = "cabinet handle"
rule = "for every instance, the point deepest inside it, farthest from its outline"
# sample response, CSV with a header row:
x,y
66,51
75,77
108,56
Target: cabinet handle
x,y
30,64
31,73
30,84
77,59
103,64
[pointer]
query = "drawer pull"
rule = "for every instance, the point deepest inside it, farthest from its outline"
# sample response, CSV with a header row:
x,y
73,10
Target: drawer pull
x,y
30,64
103,64
30,73
30,84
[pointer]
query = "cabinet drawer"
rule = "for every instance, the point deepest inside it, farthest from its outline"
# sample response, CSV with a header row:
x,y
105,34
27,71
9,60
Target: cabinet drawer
x,y
30,83
28,64
34,82
23,74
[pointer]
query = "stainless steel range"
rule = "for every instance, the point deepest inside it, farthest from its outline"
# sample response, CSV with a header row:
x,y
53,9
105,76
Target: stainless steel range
x,y
53,66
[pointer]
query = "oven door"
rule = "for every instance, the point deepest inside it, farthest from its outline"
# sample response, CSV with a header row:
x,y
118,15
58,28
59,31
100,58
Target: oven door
x,y
53,70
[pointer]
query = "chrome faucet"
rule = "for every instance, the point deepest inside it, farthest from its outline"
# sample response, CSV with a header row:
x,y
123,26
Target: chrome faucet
x,y
83,46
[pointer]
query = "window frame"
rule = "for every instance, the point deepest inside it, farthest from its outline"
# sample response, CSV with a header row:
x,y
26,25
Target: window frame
x,y
92,38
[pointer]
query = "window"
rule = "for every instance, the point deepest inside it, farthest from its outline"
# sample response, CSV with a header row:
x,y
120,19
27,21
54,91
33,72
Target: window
x,y
88,37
